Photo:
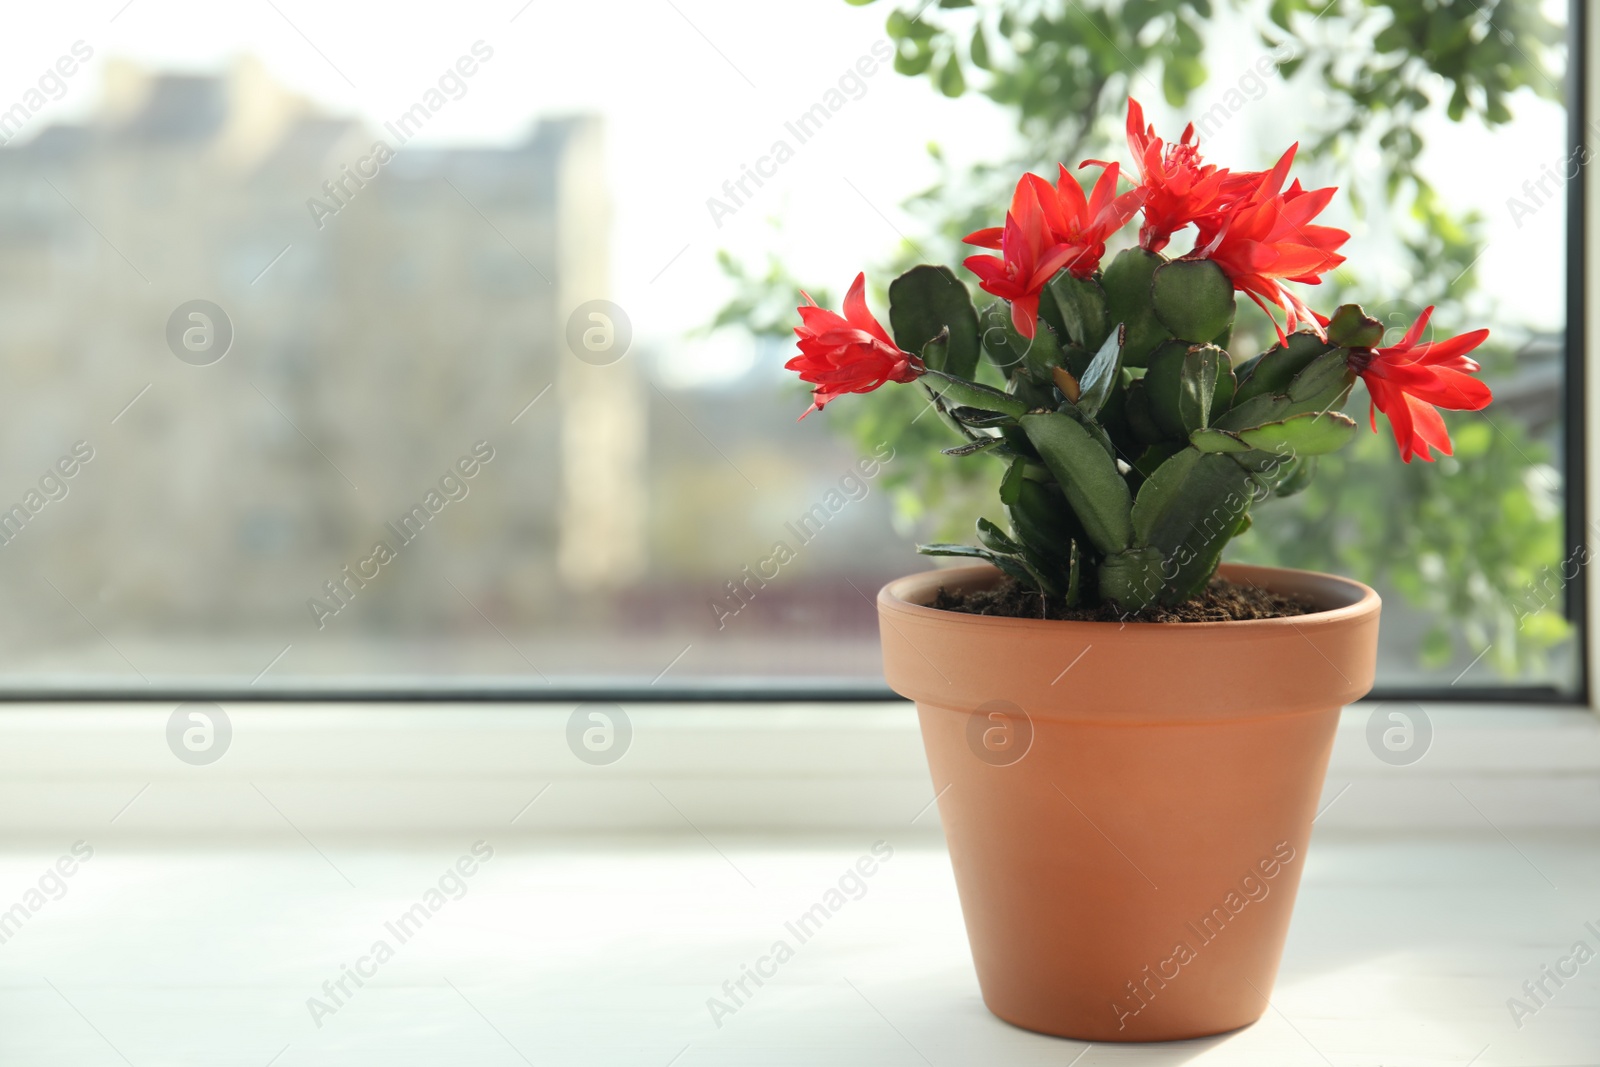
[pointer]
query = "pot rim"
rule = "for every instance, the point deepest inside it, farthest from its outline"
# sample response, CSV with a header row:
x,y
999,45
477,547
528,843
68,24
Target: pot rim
x,y
894,597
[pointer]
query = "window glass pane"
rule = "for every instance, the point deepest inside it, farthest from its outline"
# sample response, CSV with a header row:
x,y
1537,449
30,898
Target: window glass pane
x,y
353,355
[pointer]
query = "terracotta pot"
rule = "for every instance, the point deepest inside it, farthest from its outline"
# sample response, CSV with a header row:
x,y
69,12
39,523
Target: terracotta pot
x,y
1128,806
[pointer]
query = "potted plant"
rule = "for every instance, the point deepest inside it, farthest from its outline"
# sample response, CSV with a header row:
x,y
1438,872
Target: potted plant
x,y
1128,740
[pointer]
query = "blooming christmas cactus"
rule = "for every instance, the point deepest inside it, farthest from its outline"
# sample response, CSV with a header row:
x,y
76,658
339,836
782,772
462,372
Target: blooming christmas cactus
x,y
1134,442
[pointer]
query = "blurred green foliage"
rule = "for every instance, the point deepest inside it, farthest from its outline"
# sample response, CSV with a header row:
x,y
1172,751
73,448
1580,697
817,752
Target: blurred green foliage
x,y
1463,540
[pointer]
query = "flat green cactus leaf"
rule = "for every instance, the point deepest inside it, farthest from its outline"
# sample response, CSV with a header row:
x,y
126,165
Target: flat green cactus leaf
x,y
1193,298
957,393
1132,579
1271,372
1079,306
1213,440
1310,433
1102,375
1354,328
1087,475
1174,385
1127,282
923,302
1188,510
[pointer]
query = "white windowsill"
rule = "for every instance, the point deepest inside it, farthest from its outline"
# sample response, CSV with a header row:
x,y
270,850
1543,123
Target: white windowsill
x,y
404,769
219,899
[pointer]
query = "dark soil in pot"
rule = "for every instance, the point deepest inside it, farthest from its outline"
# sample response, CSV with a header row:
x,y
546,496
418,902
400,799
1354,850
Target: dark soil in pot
x,y
1222,601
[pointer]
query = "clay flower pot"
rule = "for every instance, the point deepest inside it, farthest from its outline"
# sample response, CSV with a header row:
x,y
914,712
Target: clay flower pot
x,y
1128,806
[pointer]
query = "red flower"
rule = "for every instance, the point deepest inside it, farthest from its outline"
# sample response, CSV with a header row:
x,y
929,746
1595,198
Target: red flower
x,y
1179,188
1262,237
1408,382
847,353
1047,230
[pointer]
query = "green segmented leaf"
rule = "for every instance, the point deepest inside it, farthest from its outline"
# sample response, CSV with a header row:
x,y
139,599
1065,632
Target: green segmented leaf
x,y
1201,370
1101,376
1011,484
1153,457
996,337
1136,410
1087,476
1212,440
1322,385
980,420
1042,354
1073,591
1007,565
1254,412
1045,531
1354,328
1299,476
1271,372
1022,571
1096,431
1127,282
1193,298
1076,360
1308,434
972,448
956,392
1079,306
1188,510
927,300
942,548
1262,466
1326,376
1040,570
1008,349
1174,382
1132,579
996,539
1039,396
1043,522
1162,383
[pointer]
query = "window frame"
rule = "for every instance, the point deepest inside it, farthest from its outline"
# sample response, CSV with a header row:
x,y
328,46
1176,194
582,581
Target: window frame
x,y
1581,486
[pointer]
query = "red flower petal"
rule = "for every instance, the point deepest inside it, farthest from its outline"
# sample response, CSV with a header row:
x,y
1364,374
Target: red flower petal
x,y
855,310
986,238
849,353
1025,315
1410,382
